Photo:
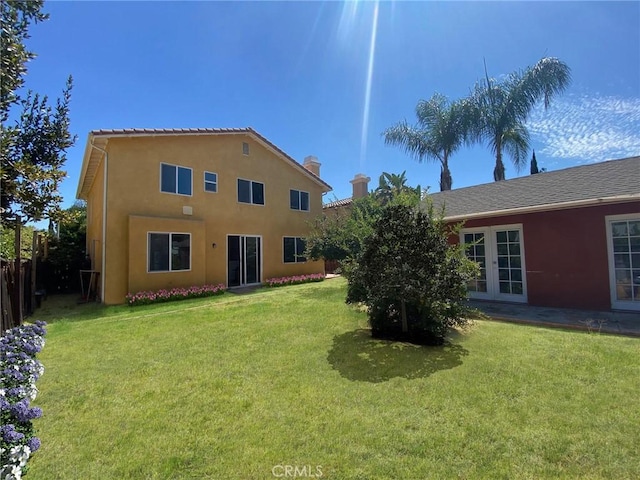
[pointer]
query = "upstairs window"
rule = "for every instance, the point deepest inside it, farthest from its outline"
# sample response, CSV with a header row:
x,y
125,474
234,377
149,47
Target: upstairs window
x,y
169,252
210,182
175,179
250,192
293,248
245,148
299,200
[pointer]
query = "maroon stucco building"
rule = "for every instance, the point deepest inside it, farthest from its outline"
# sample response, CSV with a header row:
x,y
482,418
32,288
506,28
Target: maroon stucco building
x,y
566,238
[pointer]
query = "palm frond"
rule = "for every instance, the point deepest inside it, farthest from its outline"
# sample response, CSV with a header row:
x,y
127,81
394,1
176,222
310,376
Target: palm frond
x,y
414,141
516,142
543,81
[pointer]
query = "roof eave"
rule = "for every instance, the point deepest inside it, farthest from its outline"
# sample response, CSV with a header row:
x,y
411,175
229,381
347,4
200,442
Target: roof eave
x,y
544,207
85,165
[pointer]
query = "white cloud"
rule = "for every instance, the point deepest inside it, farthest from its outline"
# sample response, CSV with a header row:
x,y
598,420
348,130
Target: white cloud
x,y
588,128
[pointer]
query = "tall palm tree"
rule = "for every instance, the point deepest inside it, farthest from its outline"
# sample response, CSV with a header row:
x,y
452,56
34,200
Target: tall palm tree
x,y
440,131
500,109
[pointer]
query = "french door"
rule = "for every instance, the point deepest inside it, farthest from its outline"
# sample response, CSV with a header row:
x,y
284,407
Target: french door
x,y
500,253
623,241
244,260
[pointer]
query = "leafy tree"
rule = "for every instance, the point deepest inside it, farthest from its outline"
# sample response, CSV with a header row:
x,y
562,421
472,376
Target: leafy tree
x,y
439,133
391,185
500,108
412,281
534,164
17,15
339,235
33,150
67,250
7,242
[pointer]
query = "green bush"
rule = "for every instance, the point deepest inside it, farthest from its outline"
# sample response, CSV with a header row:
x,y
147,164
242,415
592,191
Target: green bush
x,y
412,281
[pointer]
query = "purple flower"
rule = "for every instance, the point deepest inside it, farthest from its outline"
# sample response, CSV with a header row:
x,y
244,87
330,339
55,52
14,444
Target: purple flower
x,y
20,410
34,443
9,433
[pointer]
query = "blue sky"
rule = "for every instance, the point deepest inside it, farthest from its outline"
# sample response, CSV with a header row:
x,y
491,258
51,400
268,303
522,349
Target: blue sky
x,y
305,75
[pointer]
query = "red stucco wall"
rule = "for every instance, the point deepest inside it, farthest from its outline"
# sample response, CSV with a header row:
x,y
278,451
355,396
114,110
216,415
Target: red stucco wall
x,y
565,254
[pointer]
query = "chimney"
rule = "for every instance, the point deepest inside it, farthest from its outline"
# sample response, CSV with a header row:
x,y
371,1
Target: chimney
x,y
360,186
312,164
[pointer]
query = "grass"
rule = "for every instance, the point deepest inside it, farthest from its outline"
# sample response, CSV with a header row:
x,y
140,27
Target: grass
x,y
229,387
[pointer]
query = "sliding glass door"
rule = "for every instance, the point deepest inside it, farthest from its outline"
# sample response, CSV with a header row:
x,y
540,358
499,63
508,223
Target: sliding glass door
x,y
244,260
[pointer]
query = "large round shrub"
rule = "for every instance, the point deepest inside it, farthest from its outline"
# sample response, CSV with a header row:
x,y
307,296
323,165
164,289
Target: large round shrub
x,y
412,281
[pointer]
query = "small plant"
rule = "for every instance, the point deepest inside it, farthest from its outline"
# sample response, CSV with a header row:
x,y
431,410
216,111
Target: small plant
x,y
295,280
19,371
146,298
594,324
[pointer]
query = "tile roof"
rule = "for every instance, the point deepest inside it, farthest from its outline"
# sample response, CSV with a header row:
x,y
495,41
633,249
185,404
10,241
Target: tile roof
x,y
612,180
86,176
338,203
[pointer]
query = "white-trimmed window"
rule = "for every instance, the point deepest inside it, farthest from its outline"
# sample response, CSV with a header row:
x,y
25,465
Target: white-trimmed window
x,y
175,179
210,182
245,148
299,200
250,192
293,248
168,252
623,242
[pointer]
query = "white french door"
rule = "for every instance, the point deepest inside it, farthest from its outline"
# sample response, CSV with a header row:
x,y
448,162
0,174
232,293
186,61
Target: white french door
x,y
623,241
499,251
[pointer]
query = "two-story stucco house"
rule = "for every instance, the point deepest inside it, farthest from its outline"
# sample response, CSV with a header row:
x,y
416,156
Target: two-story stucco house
x,y
180,207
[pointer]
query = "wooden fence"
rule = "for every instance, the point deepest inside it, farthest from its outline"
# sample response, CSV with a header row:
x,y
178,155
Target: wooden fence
x,y
17,292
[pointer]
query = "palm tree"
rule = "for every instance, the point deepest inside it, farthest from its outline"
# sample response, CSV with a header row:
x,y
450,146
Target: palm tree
x,y
390,185
440,131
500,109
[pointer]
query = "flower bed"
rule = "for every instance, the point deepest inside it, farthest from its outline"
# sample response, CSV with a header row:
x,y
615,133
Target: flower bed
x,y
145,298
295,280
19,371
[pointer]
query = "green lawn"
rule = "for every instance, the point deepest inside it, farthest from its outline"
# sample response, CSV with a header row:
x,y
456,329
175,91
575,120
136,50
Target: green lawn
x,y
230,387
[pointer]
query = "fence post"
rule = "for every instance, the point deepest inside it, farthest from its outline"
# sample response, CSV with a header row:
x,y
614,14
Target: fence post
x,y
18,302
5,298
34,254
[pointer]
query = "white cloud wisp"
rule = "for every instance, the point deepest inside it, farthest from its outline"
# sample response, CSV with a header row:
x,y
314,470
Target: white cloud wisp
x,y
588,128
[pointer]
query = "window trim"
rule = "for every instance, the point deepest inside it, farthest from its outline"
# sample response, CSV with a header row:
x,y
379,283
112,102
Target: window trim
x,y
204,177
251,182
245,151
616,304
295,254
150,232
300,192
176,192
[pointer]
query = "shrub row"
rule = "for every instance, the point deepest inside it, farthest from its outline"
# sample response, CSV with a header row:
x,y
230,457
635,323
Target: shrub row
x,y
19,371
295,280
145,298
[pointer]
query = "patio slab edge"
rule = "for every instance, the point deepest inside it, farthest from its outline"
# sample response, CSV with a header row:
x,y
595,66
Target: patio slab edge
x,y
566,326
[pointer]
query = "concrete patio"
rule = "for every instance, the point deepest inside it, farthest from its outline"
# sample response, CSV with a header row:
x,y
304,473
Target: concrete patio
x,y
621,323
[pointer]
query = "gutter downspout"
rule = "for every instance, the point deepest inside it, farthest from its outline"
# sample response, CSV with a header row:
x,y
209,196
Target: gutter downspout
x,y
104,222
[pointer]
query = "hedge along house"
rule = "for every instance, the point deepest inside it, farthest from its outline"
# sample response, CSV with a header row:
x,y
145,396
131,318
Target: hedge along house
x,y
180,207
566,238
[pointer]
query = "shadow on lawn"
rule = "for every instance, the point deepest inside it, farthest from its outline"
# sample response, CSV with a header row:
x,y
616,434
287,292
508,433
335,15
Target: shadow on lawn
x,y
359,357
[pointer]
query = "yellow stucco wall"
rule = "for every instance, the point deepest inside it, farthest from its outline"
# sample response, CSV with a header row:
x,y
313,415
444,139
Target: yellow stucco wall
x,y
94,219
139,278
135,206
